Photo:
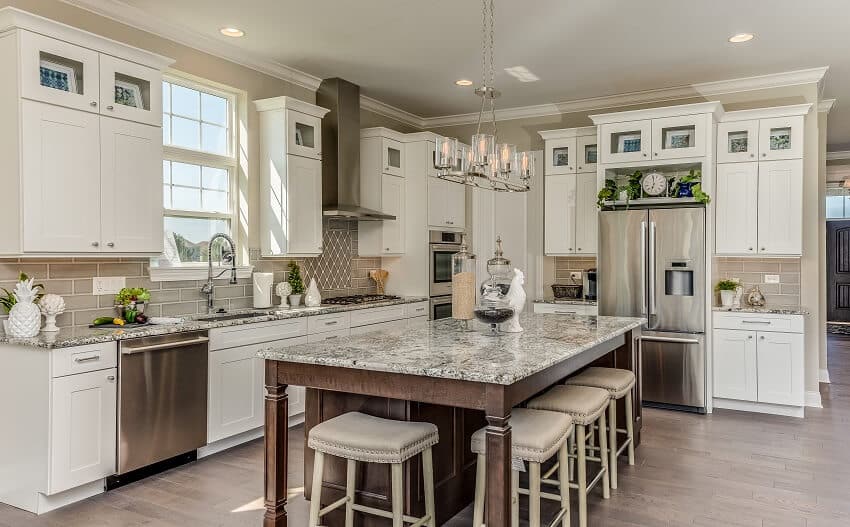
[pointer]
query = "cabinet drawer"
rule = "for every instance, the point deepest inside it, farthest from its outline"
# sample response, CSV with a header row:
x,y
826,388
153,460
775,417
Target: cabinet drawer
x,y
327,335
565,309
376,315
759,322
418,309
331,322
256,333
393,324
81,359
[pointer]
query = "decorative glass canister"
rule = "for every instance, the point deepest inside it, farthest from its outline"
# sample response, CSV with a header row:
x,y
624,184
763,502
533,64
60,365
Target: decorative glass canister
x,y
463,284
493,308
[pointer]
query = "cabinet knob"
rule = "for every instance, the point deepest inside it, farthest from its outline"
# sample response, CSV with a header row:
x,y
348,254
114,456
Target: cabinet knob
x,y
644,155
110,107
750,249
655,154
110,244
110,378
580,168
569,248
762,337
752,155
93,104
750,337
95,244
579,248
764,155
387,249
764,248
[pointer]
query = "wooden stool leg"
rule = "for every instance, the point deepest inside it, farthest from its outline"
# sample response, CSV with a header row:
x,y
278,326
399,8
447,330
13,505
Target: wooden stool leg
x,y
350,479
397,495
563,473
480,485
316,496
428,474
603,458
630,423
581,444
514,498
612,441
571,446
533,494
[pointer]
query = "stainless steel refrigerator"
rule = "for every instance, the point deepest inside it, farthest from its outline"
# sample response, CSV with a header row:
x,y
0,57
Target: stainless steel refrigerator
x,y
652,264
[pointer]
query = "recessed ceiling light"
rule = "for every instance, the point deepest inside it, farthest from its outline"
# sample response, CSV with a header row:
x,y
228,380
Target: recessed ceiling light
x,y
741,37
463,82
232,32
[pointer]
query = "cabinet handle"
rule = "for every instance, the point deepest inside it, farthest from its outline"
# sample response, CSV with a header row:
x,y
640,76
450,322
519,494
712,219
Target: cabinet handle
x,y
565,312
755,322
95,244
750,249
764,155
580,168
110,244
752,155
655,154
110,107
333,337
750,337
93,104
92,358
762,337
644,155
332,323
579,249
764,248
387,249
110,378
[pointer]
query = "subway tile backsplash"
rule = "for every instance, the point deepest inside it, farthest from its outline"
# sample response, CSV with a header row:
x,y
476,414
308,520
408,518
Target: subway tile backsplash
x,y
752,271
339,271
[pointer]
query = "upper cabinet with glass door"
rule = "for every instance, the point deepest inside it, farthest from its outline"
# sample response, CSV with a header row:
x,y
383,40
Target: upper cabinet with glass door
x,y
678,137
569,148
130,91
764,134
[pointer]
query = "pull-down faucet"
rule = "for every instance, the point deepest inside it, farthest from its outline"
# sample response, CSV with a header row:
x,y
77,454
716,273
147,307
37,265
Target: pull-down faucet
x,y
209,288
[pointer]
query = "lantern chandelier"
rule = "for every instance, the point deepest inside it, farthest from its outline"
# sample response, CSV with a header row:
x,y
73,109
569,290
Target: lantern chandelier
x,y
486,164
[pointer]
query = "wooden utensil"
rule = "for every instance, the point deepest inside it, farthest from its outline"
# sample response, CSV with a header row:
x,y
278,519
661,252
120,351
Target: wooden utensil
x,y
380,278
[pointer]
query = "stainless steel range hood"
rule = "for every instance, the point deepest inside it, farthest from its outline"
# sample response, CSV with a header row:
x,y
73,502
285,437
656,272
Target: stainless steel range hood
x,y
341,152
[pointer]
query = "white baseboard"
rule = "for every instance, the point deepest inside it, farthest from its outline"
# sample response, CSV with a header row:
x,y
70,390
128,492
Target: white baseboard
x,y
55,501
762,408
823,376
813,399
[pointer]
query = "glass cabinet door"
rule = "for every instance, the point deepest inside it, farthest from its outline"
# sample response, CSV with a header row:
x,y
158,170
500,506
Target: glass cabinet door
x,y
737,141
304,134
393,157
587,152
678,137
781,138
130,91
560,156
626,142
58,73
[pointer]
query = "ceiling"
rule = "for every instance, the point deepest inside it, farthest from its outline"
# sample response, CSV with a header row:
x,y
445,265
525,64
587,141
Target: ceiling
x,y
408,54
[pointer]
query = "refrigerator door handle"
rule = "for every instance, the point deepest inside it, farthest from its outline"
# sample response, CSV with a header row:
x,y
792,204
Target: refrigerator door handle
x,y
652,306
643,268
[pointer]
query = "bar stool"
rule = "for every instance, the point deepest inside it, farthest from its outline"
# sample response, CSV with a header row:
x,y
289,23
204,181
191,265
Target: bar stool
x,y
536,436
619,383
586,406
360,437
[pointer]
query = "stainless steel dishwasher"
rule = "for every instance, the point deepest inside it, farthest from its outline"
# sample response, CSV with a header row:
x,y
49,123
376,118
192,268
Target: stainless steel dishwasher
x,y
162,398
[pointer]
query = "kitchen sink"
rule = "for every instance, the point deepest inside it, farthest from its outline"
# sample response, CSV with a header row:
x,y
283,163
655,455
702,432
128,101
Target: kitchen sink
x,y
234,316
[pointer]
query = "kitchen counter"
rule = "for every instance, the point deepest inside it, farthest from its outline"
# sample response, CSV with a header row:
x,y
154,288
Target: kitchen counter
x,y
766,310
79,336
443,349
567,301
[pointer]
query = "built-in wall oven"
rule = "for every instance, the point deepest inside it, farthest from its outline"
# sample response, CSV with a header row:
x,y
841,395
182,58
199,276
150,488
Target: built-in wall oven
x,y
441,307
442,246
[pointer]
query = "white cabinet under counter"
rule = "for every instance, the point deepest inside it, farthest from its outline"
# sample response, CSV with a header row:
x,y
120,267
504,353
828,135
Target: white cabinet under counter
x,y
567,308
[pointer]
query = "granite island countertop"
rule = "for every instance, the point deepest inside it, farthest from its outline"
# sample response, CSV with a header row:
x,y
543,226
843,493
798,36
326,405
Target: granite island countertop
x,y
80,336
765,310
442,348
566,301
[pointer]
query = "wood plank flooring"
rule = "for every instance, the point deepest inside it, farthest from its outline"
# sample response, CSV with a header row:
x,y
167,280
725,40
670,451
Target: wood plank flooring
x,y
728,469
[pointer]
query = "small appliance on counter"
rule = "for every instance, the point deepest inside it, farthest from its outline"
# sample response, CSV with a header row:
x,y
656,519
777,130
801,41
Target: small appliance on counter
x,y
567,291
589,284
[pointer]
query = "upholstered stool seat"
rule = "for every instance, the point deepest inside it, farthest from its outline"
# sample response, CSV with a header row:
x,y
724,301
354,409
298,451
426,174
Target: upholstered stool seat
x,y
536,436
620,384
583,403
365,438
372,439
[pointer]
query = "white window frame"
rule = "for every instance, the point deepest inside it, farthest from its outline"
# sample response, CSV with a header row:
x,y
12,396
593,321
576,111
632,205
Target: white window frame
x,y
198,270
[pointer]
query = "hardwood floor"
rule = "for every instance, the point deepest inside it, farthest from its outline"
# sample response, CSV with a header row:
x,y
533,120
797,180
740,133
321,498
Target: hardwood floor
x,y
727,469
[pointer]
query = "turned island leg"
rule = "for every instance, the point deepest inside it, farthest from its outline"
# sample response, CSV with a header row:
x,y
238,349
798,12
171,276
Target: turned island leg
x,y
498,498
276,447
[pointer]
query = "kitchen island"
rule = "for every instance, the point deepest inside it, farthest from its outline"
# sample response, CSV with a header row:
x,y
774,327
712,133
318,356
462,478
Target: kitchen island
x,y
439,363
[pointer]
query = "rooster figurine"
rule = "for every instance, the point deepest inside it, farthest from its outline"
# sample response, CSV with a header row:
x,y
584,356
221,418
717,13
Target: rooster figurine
x,y
516,300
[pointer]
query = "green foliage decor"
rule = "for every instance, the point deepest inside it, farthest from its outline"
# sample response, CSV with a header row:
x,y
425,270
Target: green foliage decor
x,y
727,285
8,298
694,178
129,295
610,191
294,278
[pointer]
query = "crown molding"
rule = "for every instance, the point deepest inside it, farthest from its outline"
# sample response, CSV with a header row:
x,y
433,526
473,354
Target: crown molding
x,y
839,154
704,89
826,105
397,114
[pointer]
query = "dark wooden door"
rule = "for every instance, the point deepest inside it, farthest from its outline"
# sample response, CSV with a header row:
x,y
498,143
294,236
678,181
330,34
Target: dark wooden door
x,y
838,270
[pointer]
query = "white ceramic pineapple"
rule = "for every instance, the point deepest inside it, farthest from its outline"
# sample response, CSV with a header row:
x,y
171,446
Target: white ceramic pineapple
x,y
283,290
51,306
25,317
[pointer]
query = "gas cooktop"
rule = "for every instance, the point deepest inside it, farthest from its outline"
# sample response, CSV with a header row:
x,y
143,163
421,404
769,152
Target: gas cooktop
x,y
358,299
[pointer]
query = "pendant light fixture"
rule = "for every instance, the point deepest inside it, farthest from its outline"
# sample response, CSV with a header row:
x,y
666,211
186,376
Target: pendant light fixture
x,y
486,163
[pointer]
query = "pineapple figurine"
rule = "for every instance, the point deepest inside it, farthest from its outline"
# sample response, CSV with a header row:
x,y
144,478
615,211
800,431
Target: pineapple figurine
x,y
25,316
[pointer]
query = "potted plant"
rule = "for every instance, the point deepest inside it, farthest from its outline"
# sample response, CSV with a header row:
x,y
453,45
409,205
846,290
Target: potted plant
x,y
727,289
690,185
296,283
612,192
8,298
130,302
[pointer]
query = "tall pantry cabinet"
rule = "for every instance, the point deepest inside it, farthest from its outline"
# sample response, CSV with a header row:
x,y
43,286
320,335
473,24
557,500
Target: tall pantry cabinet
x,y
82,140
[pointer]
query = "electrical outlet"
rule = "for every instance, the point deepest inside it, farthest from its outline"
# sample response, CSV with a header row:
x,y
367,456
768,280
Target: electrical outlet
x,y
575,275
107,285
771,278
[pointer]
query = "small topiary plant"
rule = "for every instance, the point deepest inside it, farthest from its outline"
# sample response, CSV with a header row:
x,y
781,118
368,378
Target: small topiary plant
x,y
294,278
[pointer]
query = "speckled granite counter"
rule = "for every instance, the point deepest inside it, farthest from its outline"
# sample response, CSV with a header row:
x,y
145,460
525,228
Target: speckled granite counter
x,y
443,349
565,301
766,310
79,336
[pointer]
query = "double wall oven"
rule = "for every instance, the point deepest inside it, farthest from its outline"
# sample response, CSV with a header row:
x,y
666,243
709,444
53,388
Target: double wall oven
x,y
441,248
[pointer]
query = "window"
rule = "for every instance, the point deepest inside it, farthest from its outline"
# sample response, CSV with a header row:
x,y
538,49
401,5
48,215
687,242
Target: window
x,y
198,168
837,202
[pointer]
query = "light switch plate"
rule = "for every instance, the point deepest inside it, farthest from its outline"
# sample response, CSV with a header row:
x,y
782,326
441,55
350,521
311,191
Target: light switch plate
x,y
771,278
107,285
575,275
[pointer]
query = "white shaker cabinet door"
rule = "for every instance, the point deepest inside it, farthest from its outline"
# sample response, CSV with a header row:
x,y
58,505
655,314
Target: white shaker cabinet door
x,y
559,205
586,219
781,138
780,368
60,164
437,202
780,207
82,429
131,187
455,205
302,214
392,202
303,134
735,365
736,224
235,391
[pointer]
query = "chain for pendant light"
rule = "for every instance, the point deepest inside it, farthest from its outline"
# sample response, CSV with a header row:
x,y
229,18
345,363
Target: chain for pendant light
x,y
488,71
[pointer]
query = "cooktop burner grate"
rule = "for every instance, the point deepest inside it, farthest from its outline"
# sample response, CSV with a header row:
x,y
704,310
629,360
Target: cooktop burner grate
x,y
358,299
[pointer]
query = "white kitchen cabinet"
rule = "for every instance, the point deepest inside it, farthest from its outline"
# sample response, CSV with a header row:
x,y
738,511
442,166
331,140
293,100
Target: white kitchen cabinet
x,y
559,212
446,204
736,217
626,141
131,207
566,309
735,365
780,361
290,183
561,156
587,214
383,188
387,237
737,141
82,429
60,158
130,91
587,152
781,138
780,207
678,137
393,156
236,380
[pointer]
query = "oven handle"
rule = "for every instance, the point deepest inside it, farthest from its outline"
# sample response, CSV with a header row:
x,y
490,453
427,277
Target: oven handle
x,y
164,345
445,247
